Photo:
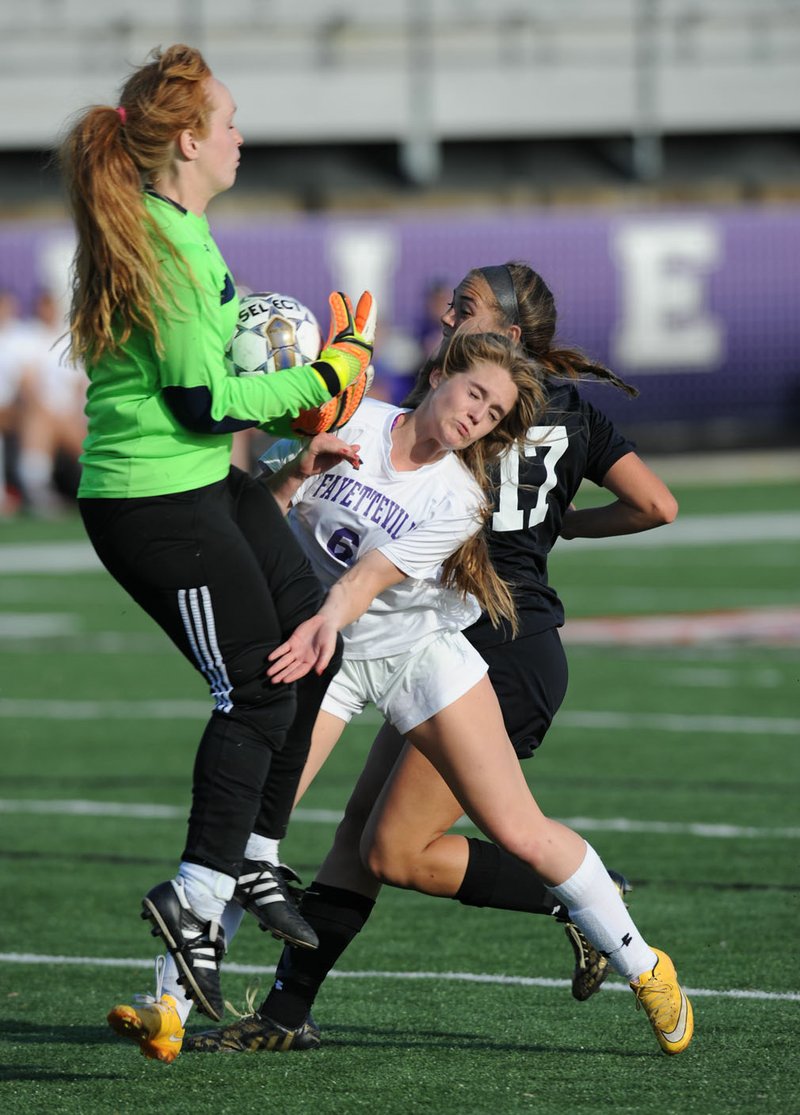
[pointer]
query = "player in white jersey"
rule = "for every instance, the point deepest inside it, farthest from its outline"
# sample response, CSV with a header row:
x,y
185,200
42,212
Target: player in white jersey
x,y
416,519
52,423
527,669
465,741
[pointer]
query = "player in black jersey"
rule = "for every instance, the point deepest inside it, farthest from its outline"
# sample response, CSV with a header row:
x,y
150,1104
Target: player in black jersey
x,y
528,670
533,509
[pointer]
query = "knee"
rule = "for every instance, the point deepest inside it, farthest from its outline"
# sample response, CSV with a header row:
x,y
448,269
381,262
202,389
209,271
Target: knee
x,y
373,858
266,708
528,847
390,863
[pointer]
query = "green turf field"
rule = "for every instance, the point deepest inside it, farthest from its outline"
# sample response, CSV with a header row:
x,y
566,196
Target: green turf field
x,y
679,760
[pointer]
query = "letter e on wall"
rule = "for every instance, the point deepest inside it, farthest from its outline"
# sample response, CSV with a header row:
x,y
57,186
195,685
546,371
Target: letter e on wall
x,y
664,270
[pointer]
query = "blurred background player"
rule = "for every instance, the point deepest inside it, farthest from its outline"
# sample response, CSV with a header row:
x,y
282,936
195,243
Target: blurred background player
x,y
18,355
435,304
52,423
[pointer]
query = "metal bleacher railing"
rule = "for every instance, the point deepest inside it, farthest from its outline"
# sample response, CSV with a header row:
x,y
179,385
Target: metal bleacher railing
x,y
417,72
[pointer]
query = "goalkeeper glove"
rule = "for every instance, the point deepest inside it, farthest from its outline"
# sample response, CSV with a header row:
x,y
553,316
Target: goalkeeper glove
x,y
348,349
338,410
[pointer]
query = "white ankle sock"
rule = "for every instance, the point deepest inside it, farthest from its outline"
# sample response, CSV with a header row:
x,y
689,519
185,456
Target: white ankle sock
x,y
231,920
170,986
262,848
206,890
598,911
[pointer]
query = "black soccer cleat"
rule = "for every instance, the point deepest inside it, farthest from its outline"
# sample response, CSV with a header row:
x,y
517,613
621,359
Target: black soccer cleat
x,y
263,890
591,966
196,946
254,1034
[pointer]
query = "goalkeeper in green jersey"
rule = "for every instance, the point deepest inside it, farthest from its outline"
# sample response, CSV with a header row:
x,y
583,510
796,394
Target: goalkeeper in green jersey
x,y
201,546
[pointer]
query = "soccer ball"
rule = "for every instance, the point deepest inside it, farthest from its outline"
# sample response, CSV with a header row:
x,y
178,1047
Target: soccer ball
x,y
274,331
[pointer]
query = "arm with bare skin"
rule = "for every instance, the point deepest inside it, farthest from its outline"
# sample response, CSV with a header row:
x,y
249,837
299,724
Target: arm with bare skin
x,y
311,645
643,502
323,452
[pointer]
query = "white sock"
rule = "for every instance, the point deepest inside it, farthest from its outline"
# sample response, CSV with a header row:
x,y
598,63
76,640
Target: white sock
x,y
596,908
206,890
231,920
262,848
170,986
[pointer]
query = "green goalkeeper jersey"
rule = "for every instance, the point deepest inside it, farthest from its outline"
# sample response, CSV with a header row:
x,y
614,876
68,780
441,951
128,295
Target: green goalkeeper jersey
x,y
135,445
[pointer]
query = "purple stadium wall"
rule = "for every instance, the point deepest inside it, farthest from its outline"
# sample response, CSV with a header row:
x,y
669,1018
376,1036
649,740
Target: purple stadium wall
x,y
698,308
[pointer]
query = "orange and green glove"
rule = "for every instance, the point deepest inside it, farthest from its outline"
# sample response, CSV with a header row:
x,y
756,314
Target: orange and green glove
x,y
347,353
347,356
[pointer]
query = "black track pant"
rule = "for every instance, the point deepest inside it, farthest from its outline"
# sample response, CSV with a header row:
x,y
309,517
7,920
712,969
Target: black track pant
x,y
219,569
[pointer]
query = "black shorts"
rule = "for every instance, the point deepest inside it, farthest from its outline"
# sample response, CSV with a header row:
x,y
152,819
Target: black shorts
x,y
219,569
530,678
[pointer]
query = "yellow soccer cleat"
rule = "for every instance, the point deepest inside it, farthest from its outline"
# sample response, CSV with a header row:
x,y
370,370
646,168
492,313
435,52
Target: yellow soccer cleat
x,y
665,1004
155,1026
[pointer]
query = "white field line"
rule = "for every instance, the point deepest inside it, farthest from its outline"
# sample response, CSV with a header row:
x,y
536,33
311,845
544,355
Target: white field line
x,y
36,709
679,722
38,625
690,530
703,530
49,557
775,626
449,977
148,812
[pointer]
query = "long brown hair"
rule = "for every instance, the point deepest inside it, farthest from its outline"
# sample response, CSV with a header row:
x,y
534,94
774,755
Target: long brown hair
x,y
107,157
469,569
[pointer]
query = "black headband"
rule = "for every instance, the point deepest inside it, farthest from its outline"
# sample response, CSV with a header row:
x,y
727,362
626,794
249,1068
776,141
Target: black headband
x,y
502,286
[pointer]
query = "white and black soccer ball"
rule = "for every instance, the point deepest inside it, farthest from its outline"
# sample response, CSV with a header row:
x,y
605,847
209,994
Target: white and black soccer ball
x,y
274,332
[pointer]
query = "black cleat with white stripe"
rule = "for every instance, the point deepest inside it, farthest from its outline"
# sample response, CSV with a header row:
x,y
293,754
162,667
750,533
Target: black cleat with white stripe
x,y
263,890
196,946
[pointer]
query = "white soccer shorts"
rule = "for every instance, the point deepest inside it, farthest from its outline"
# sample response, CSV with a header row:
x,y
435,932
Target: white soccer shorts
x,y
410,687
